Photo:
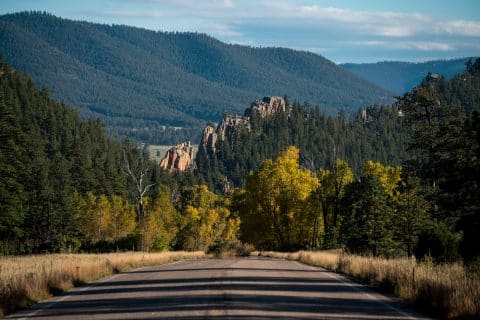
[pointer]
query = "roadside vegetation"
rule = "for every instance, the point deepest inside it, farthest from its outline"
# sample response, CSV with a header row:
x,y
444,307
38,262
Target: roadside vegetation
x,y
25,280
442,290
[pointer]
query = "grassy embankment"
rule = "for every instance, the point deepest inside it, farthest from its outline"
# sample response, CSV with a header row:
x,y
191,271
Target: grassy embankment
x,y
445,291
25,280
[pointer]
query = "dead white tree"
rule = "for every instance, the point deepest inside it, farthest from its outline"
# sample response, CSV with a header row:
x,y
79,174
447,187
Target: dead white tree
x,y
137,171
308,163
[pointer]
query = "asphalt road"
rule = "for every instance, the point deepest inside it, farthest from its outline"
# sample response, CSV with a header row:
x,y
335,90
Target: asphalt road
x,y
242,288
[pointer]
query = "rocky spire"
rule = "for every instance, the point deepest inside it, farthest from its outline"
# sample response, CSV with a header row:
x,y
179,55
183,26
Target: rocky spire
x,y
179,157
268,106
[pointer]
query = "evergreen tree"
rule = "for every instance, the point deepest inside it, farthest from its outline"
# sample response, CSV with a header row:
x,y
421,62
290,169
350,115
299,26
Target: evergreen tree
x,y
13,167
367,218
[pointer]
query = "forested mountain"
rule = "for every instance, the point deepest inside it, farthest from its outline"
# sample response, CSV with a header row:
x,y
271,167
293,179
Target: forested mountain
x,y
139,80
400,77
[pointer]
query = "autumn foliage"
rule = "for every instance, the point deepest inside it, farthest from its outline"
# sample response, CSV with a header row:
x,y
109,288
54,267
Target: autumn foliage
x,y
274,207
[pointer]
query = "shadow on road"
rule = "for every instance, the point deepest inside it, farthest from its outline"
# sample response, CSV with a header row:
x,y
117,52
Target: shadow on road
x,y
206,302
229,269
192,293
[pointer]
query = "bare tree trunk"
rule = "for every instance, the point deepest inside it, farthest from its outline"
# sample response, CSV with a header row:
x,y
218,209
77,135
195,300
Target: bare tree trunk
x,y
315,233
138,175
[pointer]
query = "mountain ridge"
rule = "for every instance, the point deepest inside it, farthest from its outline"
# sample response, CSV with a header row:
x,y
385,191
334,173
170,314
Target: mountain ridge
x,y
402,76
138,79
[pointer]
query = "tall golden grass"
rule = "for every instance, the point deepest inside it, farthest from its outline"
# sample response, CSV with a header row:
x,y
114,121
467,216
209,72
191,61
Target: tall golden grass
x,y
446,291
28,279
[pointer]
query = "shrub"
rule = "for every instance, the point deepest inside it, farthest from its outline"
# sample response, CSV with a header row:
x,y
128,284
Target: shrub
x,y
439,243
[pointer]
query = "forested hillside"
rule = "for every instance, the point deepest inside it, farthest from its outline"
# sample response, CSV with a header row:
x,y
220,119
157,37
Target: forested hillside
x,y
47,153
375,133
66,186
462,90
140,80
427,206
400,77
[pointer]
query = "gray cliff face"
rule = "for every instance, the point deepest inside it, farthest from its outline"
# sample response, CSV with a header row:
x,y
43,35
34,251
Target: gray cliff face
x,y
230,126
208,143
227,129
268,106
178,158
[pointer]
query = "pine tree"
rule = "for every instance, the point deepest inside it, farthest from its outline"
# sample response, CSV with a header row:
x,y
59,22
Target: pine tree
x,y
367,218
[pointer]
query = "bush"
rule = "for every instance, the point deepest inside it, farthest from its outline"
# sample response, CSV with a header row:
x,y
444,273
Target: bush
x,y
439,243
161,244
233,248
128,243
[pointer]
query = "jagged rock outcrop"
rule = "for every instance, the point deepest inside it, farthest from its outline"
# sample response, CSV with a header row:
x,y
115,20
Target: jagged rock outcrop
x,y
230,126
207,146
179,157
268,106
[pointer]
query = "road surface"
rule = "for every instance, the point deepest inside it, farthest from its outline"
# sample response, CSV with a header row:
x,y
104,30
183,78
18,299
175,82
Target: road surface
x,y
241,288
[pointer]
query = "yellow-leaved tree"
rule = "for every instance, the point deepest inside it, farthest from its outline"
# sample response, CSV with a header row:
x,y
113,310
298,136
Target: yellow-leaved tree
x,y
274,207
161,221
388,176
122,222
326,200
93,216
101,218
206,219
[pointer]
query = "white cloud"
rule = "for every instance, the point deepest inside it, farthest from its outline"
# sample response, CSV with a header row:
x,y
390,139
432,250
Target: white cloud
x,y
375,23
386,23
220,30
460,27
227,4
304,26
428,46
139,14
404,45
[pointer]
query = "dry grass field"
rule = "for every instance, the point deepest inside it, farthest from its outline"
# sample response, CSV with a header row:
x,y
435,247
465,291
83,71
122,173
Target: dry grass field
x,y
25,280
445,291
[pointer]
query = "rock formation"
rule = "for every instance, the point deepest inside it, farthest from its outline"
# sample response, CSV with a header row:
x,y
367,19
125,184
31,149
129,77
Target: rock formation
x,y
208,143
268,106
179,157
230,126
227,129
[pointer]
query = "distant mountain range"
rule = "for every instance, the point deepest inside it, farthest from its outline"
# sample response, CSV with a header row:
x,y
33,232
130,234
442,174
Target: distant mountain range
x,y
139,80
400,77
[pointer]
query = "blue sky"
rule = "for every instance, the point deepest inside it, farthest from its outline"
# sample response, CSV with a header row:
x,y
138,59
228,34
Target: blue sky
x,y
342,30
